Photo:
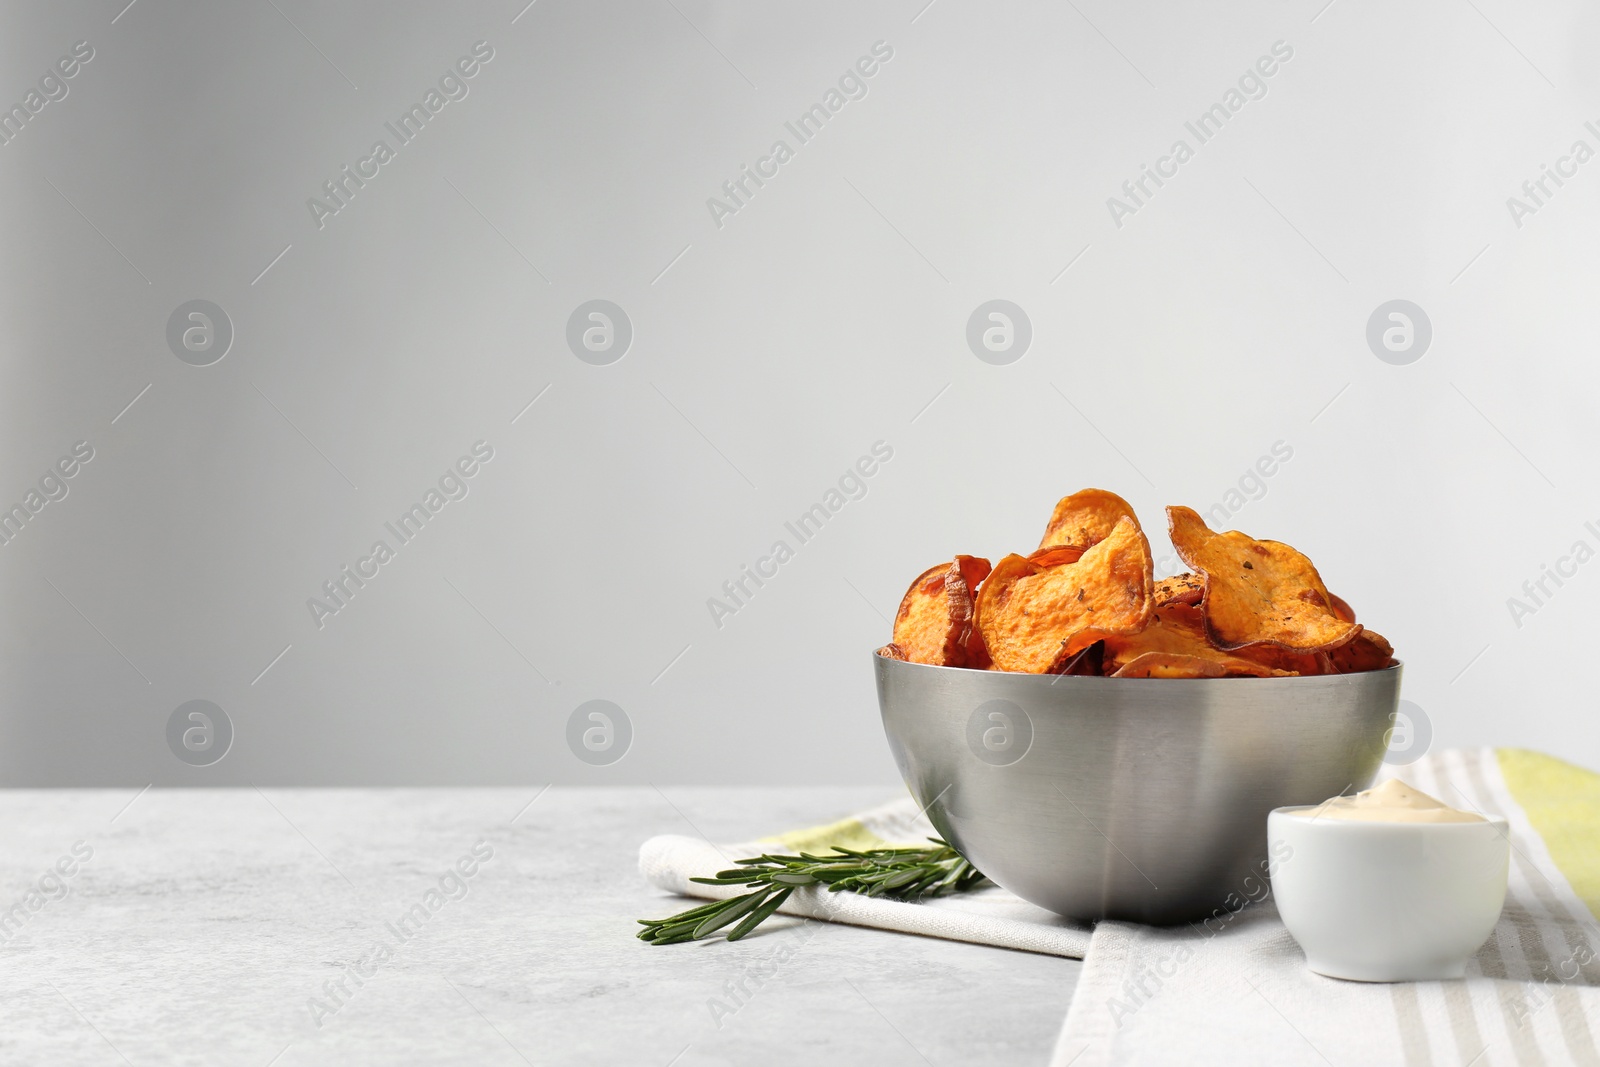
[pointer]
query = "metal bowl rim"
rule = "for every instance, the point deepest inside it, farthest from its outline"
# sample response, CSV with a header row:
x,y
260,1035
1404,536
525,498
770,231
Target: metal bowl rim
x,y
1093,679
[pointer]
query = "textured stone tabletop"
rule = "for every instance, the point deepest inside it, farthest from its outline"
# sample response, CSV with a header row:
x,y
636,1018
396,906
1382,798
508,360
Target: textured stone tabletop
x,y
244,927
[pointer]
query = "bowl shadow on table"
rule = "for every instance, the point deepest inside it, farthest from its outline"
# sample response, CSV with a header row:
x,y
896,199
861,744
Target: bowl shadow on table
x,y
1126,798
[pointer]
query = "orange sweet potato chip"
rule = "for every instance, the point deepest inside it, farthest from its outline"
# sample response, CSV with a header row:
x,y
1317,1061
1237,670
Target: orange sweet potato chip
x,y
892,651
1177,632
1369,651
1056,555
1282,659
1036,618
922,629
1086,661
935,623
967,574
1340,608
1086,518
1169,665
1179,589
1257,591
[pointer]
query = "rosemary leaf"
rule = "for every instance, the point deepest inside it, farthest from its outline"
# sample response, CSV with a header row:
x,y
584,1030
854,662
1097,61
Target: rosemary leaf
x,y
897,873
735,908
793,879
760,915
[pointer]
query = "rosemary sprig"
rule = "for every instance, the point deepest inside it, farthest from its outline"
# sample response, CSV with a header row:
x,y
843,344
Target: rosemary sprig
x,y
899,873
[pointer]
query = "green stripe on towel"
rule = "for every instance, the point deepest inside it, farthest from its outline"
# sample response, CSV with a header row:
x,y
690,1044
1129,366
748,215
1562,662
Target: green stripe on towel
x,y
1560,801
846,833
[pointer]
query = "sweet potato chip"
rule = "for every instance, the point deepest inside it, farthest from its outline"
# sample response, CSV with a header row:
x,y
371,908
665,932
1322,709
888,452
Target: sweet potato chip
x,y
1284,660
1257,591
1086,662
1056,555
1177,631
922,628
1035,618
1369,651
1179,589
892,651
1086,518
967,575
1340,608
1169,665
935,623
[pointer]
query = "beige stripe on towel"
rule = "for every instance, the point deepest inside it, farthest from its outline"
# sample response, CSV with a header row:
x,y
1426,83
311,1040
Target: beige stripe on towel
x,y
1408,1019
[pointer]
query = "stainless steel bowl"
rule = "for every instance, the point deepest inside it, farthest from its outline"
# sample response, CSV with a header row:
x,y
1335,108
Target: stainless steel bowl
x,y
1127,798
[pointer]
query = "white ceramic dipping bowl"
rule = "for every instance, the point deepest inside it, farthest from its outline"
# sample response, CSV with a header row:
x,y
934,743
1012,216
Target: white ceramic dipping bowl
x,y
1388,901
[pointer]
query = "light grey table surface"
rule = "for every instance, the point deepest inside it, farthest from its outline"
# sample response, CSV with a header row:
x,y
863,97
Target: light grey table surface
x,y
212,927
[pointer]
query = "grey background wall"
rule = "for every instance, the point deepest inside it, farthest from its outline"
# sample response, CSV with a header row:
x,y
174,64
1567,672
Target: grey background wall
x,y
1207,322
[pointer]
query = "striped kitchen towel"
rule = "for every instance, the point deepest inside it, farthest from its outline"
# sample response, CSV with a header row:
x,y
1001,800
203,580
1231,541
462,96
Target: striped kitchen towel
x,y
989,916
1205,994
